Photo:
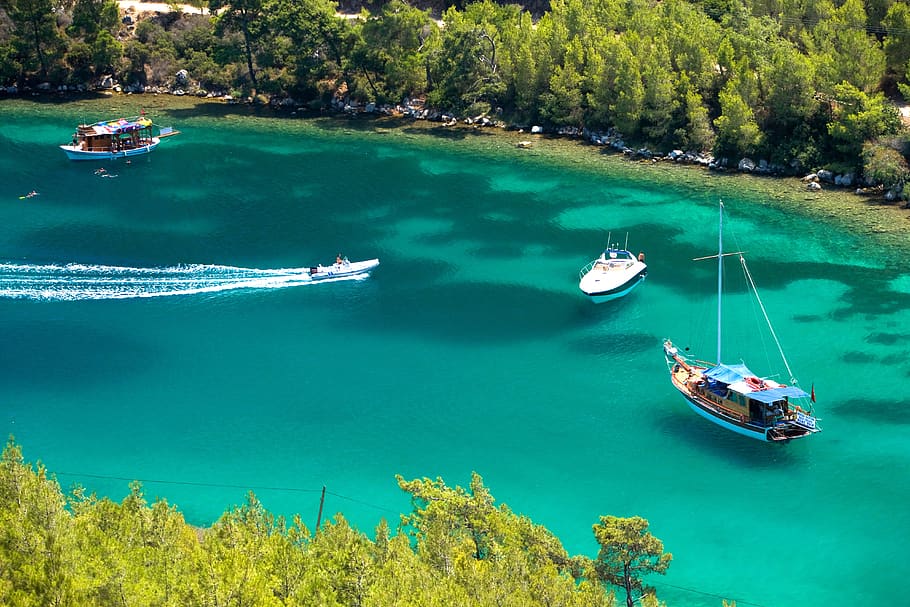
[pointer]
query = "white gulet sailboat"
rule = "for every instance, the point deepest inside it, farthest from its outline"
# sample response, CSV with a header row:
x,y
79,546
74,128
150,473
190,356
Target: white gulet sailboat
x,y
732,396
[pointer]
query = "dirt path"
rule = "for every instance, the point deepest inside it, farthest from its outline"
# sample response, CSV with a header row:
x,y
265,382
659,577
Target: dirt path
x,y
134,6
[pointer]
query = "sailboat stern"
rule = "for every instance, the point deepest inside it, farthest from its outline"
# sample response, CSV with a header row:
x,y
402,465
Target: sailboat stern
x,y
800,425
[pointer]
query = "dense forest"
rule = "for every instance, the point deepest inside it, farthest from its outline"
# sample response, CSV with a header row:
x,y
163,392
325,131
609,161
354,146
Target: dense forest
x,y
800,84
457,547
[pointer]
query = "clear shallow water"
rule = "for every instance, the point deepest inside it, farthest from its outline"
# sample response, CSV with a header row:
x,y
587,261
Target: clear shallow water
x,y
469,348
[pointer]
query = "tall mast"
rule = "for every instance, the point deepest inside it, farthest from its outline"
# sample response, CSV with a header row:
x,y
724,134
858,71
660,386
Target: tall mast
x,y
720,273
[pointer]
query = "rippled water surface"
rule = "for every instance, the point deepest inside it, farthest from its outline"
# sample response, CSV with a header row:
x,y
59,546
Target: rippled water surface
x,y
469,349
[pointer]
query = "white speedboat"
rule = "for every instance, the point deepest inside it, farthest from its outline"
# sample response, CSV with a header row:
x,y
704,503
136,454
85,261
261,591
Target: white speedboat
x,y
612,275
342,268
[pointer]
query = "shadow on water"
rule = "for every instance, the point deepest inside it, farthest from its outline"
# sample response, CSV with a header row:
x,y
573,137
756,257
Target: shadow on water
x,y
878,411
628,343
717,442
887,339
451,134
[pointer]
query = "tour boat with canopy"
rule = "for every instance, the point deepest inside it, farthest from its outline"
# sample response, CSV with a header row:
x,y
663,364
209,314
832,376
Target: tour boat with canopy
x,y
121,138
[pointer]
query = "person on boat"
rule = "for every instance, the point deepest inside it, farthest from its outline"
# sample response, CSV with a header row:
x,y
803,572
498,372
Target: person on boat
x,y
641,256
339,259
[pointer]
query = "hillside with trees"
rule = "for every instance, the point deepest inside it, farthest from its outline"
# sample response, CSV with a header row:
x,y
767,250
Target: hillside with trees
x,y
456,547
801,84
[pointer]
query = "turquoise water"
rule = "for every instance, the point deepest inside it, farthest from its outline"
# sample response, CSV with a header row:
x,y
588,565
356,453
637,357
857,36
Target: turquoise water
x,y
469,349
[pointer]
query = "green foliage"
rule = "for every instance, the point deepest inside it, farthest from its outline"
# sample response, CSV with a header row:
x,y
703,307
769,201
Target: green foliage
x,y
628,551
10,67
563,103
36,541
248,18
456,547
842,50
897,44
883,164
91,17
464,69
106,52
388,52
79,59
623,91
858,117
737,130
37,42
694,132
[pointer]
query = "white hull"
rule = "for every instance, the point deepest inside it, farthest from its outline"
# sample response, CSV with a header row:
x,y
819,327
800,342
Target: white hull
x,y
343,269
611,276
716,418
75,153
616,292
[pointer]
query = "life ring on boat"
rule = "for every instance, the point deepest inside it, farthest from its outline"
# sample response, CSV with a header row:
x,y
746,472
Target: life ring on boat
x,y
755,383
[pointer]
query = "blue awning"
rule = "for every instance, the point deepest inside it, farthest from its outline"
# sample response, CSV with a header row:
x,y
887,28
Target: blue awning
x,y
774,394
729,373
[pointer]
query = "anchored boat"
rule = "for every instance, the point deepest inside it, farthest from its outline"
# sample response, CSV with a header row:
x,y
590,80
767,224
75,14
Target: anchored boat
x,y
121,138
734,397
614,274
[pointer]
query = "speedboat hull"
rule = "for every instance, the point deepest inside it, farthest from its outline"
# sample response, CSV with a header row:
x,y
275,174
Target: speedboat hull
x,y
76,153
612,275
343,269
600,289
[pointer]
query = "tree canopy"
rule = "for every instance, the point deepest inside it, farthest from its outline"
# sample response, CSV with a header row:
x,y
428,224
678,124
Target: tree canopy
x,y
732,78
456,546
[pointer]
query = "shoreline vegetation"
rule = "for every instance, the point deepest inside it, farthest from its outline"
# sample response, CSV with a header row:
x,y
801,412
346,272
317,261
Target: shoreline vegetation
x,y
456,547
811,90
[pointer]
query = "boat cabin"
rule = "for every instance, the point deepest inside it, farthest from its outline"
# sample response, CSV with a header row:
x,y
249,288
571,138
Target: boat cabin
x,y
614,259
736,389
114,136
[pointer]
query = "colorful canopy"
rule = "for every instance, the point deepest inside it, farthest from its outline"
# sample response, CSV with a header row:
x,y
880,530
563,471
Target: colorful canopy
x,y
123,125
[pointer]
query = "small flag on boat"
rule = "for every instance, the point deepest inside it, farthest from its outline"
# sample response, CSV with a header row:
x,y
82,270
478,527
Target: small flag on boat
x,y
812,393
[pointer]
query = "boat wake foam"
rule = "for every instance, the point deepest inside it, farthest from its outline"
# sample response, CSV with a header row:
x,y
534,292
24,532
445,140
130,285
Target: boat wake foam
x,y
73,282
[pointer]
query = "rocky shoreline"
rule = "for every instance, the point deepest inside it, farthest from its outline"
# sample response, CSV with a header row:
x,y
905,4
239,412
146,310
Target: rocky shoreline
x,y
863,211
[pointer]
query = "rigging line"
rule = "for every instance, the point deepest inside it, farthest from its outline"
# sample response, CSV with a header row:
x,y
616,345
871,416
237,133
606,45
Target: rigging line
x,y
361,502
742,260
693,590
227,486
186,483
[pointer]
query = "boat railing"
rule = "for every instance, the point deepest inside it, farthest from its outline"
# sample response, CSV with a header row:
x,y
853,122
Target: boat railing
x,y
587,268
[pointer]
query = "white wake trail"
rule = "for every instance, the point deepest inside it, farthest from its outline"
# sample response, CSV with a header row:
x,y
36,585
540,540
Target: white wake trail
x,y
73,282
